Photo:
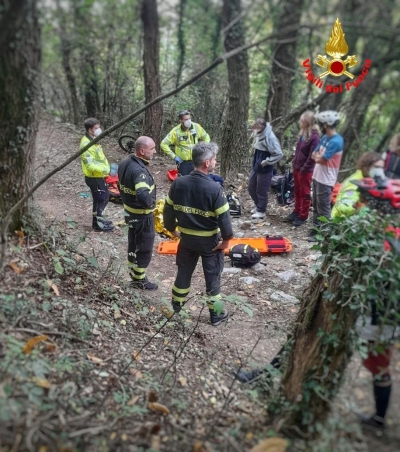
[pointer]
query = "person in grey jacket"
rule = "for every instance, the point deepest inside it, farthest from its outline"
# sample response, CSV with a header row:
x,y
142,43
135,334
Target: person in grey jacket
x,y
267,152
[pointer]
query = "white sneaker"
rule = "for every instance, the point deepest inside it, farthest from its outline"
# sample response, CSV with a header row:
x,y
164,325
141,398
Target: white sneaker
x,y
253,210
258,215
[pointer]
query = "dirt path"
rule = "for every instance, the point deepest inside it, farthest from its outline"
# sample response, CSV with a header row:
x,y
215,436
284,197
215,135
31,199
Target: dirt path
x,y
64,207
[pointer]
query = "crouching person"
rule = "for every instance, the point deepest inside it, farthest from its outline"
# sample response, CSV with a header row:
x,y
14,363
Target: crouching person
x,y
197,210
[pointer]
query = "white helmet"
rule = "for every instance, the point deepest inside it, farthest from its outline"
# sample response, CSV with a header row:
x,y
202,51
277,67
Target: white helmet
x,y
329,117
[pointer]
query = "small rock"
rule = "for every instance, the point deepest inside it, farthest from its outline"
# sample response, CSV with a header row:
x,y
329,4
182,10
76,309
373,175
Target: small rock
x,y
248,280
287,275
283,298
245,224
259,268
240,175
231,270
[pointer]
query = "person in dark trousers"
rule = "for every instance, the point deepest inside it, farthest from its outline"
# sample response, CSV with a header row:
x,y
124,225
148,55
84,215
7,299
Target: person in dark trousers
x,y
196,209
392,158
267,152
327,156
184,137
303,167
95,168
138,194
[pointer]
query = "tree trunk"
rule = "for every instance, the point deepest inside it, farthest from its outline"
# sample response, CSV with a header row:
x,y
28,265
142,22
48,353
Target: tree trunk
x,y
151,58
320,352
234,147
20,57
284,64
394,120
181,42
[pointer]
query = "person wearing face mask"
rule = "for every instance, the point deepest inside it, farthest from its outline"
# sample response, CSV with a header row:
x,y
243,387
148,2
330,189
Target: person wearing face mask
x,y
203,224
267,152
184,137
369,164
392,158
327,156
95,168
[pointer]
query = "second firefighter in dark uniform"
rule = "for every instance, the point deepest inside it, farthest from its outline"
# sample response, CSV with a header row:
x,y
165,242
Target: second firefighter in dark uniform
x,y
197,207
138,194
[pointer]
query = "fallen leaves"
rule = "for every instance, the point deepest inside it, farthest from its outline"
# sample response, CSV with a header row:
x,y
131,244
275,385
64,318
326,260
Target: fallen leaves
x,y
15,268
30,344
133,400
275,444
53,286
158,408
41,382
21,236
94,359
182,381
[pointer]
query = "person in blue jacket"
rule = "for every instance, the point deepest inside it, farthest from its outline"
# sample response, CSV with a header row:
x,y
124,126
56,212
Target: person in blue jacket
x,y
267,152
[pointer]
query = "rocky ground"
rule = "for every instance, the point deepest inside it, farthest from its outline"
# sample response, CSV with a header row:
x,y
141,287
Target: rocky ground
x,y
189,364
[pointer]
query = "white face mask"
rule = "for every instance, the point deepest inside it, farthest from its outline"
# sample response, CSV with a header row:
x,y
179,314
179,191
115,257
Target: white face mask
x,y
377,172
97,132
187,123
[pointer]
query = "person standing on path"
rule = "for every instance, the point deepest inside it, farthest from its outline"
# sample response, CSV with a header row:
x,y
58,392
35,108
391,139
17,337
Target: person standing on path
x,y
196,209
138,193
303,167
267,152
184,137
95,168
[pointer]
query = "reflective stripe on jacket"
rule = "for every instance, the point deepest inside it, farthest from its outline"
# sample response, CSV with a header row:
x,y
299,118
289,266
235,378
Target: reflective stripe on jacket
x,y
138,191
197,206
184,141
348,197
94,162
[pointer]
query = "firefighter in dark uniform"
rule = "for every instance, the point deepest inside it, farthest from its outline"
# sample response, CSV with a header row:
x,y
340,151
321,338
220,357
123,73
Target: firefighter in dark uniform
x,y
197,207
138,194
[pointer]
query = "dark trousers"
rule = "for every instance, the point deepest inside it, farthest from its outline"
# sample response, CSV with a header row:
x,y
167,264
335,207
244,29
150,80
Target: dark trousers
x,y
302,190
185,168
259,184
100,195
190,248
141,236
321,200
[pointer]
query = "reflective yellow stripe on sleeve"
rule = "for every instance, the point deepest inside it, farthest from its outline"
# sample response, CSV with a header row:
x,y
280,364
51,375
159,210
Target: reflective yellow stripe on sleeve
x,y
140,211
194,210
144,185
222,209
169,201
198,233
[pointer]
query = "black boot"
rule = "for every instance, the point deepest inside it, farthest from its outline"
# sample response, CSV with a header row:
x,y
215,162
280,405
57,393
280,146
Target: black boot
x,y
248,377
218,319
143,284
176,306
291,217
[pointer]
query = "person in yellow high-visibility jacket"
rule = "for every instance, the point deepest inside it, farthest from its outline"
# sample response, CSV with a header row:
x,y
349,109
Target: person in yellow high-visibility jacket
x,y
95,168
183,137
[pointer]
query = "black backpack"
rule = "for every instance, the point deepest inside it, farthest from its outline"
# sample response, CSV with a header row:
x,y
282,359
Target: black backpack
x,y
235,209
243,255
283,186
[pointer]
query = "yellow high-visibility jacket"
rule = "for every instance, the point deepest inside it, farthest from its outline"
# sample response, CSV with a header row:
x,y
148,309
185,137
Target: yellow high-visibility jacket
x,y
94,162
184,141
348,197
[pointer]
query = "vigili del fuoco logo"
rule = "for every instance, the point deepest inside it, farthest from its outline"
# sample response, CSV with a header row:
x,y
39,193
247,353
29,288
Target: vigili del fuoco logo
x,y
337,48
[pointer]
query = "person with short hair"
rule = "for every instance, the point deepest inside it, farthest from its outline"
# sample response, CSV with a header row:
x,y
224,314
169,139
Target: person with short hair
x,y
392,158
327,156
184,137
196,209
370,164
95,168
267,152
138,193
303,167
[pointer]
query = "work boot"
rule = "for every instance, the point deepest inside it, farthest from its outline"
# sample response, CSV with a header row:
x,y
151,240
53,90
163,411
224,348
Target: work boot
x,y
217,319
312,235
103,227
248,377
176,306
291,217
298,222
143,284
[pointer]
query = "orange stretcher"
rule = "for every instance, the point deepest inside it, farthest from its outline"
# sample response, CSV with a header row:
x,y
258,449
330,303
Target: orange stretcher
x,y
265,245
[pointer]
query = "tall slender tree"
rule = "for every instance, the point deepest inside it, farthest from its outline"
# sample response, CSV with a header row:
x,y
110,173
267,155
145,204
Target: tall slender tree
x,y
20,57
151,64
234,139
283,63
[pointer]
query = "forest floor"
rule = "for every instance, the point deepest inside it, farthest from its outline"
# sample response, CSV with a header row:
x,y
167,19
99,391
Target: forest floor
x,y
91,384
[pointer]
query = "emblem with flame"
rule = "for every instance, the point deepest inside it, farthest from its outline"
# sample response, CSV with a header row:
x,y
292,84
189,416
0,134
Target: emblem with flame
x,y
336,47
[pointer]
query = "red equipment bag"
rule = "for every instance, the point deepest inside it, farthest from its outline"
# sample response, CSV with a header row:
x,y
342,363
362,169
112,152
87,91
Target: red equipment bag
x,y
172,174
113,188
